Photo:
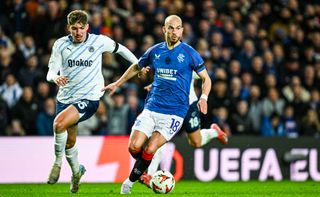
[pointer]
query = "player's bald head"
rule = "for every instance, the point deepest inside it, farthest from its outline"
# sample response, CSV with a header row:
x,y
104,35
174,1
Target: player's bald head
x,y
173,19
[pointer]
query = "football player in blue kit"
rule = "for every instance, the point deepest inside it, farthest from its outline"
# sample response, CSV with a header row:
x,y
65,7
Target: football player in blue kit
x,y
167,103
196,136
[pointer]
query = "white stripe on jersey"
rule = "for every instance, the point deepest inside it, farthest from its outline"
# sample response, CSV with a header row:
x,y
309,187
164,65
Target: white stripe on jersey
x,y
192,95
81,63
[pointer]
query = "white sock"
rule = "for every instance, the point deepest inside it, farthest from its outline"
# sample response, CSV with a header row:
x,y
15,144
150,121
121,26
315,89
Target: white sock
x,y
60,140
207,135
128,182
72,158
155,162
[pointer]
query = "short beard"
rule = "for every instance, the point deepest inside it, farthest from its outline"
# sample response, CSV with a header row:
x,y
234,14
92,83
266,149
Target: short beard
x,y
172,42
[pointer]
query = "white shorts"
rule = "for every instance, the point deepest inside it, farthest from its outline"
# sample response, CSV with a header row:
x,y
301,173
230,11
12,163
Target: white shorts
x,y
149,122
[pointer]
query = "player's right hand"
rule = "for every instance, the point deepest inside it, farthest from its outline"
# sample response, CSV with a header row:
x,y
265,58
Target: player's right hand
x,y
144,71
110,89
61,81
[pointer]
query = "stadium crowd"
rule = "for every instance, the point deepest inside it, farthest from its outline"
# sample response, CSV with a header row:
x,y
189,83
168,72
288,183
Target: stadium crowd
x,y
263,58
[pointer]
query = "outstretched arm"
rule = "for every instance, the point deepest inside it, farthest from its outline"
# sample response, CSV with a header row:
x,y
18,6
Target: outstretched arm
x,y
126,53
130,72
206,87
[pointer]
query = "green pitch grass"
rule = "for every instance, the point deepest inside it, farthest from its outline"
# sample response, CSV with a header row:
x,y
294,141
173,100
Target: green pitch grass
x,y
183,188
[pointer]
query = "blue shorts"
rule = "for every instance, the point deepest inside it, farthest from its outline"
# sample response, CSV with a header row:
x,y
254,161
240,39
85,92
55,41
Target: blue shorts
x,y
86,108
192,121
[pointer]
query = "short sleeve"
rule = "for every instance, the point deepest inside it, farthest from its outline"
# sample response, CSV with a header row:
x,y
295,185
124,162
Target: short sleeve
x,y
109,45
144,60
198,63
56,57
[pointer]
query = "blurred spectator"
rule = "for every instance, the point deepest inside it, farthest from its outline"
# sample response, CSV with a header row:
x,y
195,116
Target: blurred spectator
x,y
147,42
15,128
51,25
134,110
269,82
220,117
295,85
27,47
315,101
237,42
290,124
202,47
309,79
10,91
44,120
234,93
25,111
18,16
30,74
255,108
234,69
246,80
258,74
269,65
87,127
6,42
188,34
102,117
240,120
272,126
246,54
273,103
42,94
310,124
4,116
217,98
96,24
279,28
118,115
6,65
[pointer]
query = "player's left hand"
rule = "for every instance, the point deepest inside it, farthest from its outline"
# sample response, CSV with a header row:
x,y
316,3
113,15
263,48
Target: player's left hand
x,y
203,106
110,89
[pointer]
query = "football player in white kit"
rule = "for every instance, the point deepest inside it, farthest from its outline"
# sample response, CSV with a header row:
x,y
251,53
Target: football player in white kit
x,y
75,66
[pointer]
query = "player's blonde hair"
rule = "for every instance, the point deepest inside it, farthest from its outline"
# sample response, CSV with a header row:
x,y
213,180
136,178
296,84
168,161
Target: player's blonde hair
x,y
78,16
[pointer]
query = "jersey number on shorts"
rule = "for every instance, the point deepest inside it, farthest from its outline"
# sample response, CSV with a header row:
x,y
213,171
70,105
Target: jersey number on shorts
x,y
194,122
82,105
174,125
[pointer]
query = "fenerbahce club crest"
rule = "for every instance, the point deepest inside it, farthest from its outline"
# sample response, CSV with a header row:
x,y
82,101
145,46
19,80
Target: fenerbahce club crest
x,y
91,49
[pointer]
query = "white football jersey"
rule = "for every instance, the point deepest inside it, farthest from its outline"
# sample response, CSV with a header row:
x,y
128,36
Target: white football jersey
x,y
81,63
192,95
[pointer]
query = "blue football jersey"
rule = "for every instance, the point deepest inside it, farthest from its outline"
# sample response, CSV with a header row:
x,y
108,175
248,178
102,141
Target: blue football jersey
x,y
173,68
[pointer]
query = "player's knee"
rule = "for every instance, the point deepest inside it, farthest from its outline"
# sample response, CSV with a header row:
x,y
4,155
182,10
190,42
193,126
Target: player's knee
x,y
151,149
133,148
58,126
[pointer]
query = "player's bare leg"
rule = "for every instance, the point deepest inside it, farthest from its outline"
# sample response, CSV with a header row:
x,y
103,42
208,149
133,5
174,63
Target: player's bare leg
x,y
141,165
153,167
64,119
136,141
196,139
201,137
72,158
